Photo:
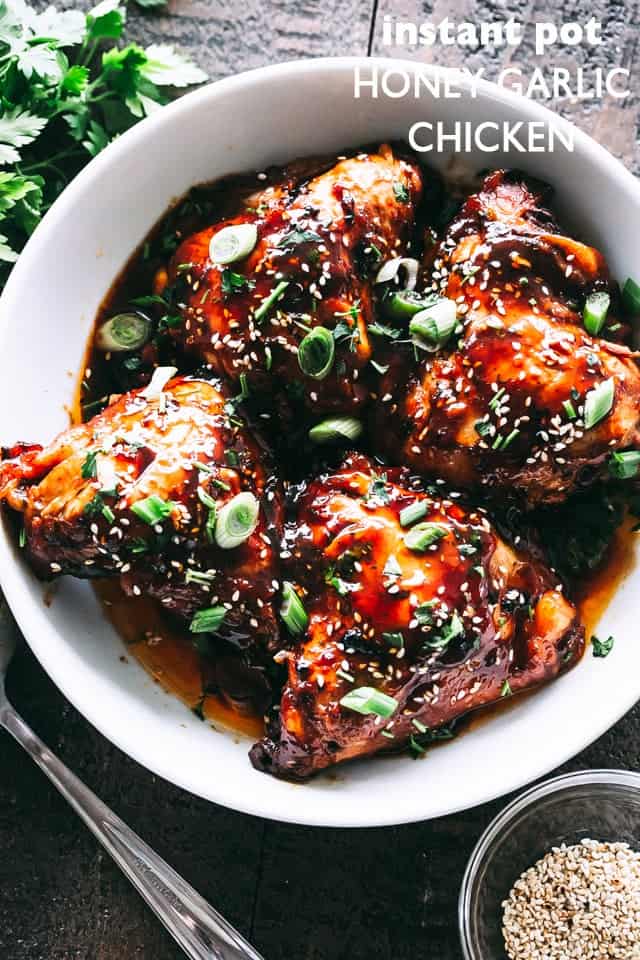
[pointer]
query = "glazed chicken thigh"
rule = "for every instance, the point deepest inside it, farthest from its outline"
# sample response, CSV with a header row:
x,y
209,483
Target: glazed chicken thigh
x,y
526,399
313,246
146,491
414,611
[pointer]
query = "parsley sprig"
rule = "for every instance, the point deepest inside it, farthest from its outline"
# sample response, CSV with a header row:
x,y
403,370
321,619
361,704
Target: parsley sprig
x,y
66,91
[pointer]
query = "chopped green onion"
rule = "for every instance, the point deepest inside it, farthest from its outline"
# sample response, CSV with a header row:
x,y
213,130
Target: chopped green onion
x,y
495,400
419,725
631,296
208,620
598,402
505,690
391,269
292,610
432,327
108,513
203,577
89,468
369,700
405,304
22,538
336,429
569,409
269,301
594,314
414,512
237,520
423,535
394,639
125,331
233,243
153,509
601,648
207,501
625,465
316,353
380,368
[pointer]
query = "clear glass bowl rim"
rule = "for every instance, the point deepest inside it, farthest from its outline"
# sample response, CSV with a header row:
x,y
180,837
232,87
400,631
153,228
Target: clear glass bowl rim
x,y
613,778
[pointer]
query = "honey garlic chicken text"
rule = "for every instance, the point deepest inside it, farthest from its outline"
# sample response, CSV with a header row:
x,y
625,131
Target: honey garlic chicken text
x,y
415,612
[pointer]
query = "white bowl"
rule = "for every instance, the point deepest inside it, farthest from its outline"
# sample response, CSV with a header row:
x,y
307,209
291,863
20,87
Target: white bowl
x,y
243,124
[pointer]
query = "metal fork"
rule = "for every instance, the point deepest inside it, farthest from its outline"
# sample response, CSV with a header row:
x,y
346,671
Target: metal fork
x,y
200,930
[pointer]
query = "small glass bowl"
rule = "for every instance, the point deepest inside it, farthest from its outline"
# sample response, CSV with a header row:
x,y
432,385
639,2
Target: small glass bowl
x,y
599,804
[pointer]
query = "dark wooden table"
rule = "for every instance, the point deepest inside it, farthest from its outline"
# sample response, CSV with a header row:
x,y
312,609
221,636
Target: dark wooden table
x,y
297,893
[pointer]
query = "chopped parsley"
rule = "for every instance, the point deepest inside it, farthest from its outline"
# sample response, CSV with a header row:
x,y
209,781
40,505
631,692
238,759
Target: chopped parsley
x,y
400,191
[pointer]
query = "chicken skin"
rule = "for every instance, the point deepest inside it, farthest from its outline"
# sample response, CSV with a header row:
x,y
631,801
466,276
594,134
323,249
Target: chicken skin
x,y
138,492
316,246
417,612
524,398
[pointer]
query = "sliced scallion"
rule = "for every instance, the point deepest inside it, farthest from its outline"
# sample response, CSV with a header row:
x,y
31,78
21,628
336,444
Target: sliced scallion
x,y
631,296
432,327
125,331
414,512
424,535
569,409
368,700
405,304
237,520
292,610
233,243
595,310
316,353
391,270
335,430
208,620
269,301
598,402
624,466
207,501
153,509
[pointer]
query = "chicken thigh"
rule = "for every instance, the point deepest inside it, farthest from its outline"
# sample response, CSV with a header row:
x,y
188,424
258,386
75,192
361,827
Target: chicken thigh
x,y
295,308
522,397
169,491
407,611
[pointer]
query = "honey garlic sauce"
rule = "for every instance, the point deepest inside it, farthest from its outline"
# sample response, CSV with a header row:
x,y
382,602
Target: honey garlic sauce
x,y
170,657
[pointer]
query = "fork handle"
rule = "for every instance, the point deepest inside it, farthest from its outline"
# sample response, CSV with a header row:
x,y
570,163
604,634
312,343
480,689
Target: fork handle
x,y
200,930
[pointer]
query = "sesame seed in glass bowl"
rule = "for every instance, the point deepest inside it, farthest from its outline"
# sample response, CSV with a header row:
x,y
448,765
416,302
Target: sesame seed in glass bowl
x,y
533,879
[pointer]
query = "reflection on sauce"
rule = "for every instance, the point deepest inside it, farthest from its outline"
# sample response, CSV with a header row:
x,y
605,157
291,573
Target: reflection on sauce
x,y
169,656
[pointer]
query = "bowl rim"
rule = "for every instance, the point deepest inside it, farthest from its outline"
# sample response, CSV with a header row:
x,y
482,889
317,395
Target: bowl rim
x,y
532,796
21,604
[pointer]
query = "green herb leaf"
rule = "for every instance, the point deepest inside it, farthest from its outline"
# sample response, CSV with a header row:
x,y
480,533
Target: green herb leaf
x,y
400,191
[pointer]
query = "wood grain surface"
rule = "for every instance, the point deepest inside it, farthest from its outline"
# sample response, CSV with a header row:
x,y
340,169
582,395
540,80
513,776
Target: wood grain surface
x,y
297,893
